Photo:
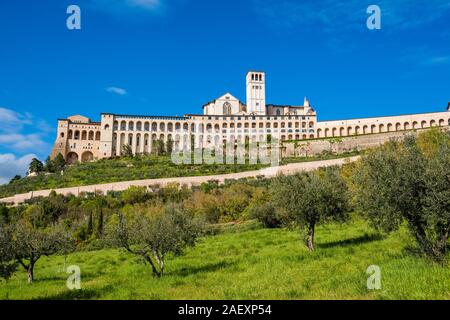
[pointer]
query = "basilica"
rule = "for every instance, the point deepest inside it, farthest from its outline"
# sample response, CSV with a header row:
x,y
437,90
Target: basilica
x,y
223,120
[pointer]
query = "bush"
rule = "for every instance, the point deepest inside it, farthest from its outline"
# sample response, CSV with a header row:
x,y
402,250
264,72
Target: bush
x,y
266,214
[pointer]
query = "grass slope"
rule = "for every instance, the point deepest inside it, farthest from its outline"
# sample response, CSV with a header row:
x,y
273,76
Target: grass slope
x,y
127,169
250,264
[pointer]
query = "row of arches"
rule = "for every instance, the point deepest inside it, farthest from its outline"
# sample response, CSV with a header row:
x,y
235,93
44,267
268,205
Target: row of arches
x,y
379,128
208,127
72,157
83,135
154,126
144,143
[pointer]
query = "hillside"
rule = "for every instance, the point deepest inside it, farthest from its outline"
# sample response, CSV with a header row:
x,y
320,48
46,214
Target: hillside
x,y
127,169
250,264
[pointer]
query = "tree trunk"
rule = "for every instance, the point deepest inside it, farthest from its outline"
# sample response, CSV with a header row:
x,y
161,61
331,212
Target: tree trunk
x,y
161,264
310,237
155,271
30,273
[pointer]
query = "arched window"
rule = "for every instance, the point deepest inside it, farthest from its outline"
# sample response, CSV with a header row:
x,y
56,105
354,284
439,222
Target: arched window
x,y
226,108
278,112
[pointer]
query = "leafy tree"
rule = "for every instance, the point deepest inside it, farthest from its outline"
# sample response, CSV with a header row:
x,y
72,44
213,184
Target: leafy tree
x,y
127,151
59,162
36,166
307,199
49,165
47,211
31,243
153,232
8,265
15,178
169,146
409,182
160,148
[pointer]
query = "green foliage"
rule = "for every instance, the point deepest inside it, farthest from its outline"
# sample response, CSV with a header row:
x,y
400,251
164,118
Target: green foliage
x,y
203,205
209,186
8,265
308,199
169,146
15,178
266,214
127,151
59,163
409,182
47,211
160,149
134,195
31,243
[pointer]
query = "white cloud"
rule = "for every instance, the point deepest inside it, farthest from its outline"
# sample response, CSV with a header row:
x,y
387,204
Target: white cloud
x,y
117,90
11,120
10,166
21,132
23,142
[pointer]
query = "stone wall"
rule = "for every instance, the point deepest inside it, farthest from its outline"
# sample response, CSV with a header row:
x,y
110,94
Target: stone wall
x,y
343,144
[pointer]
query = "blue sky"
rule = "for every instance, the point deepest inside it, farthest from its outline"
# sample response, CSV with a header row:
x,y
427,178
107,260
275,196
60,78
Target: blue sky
x,y
168,57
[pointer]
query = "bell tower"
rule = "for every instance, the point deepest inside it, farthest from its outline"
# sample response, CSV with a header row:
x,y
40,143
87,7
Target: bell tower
x,y
256,92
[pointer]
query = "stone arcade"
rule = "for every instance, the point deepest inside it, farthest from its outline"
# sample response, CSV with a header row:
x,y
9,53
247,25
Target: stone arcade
x,y
225,119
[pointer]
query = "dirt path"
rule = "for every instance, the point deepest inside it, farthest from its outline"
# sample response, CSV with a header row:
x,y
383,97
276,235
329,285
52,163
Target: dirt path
x,y
120,186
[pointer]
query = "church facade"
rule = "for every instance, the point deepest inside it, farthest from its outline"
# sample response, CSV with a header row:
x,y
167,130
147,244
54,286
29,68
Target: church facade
x,y
224,120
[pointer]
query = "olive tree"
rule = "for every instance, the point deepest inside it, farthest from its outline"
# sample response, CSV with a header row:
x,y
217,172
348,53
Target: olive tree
x,y
30,243
409,181
152,232
308,199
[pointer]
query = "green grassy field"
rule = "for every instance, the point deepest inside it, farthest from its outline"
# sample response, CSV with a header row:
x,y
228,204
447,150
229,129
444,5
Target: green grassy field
x,y
250,264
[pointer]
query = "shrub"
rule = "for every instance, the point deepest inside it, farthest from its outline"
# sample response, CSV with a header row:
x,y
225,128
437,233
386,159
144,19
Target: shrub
x,y
266,214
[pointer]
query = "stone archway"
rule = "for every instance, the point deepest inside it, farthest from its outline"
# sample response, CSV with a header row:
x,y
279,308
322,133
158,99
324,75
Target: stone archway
x,y
87,156
72,158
